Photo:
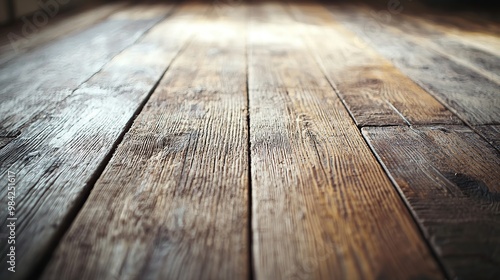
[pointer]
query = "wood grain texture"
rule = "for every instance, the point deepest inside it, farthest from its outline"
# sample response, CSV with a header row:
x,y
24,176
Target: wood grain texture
x,y
56,157
491,133
57,27
322,208
173,201
374,91
30,85
473,97
450,178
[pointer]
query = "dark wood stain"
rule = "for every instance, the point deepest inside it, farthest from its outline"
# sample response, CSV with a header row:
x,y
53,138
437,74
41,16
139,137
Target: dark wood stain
x,y
472,187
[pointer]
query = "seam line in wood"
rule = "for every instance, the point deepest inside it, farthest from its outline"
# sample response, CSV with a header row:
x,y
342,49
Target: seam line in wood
x,y
251,267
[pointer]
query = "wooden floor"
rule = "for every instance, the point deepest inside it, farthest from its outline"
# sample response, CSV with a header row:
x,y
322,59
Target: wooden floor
x,y
251,141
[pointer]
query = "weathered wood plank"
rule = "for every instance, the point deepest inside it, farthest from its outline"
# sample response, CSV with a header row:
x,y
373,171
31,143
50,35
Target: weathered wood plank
x,y
31,84
173,201
374,91
450,178
14,42
473,97
322,207
490,133
56,157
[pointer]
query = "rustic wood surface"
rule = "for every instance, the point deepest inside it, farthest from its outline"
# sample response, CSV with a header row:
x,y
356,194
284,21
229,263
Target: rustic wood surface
x,y
450,178
467,93
172,202
374,91
253,141
321,206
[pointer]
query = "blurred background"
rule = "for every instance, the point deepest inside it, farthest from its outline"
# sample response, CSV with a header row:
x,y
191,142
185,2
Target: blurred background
x,y
12,11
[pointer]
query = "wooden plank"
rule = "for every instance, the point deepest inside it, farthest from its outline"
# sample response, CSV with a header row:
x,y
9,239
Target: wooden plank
x,y
374,91
56,158
450,179
172,202
473,97
322,207
12,46
491,133
33,83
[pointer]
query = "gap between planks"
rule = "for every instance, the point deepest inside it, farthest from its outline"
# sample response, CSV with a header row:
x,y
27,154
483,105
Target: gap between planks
x,y
249,157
